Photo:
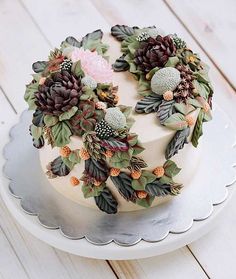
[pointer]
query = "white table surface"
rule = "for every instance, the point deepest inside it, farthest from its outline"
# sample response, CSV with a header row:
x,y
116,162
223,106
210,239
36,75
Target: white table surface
x,y
28,29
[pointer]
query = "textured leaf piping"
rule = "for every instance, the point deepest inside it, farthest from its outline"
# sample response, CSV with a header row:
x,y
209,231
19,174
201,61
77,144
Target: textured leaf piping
x,y
165,110
106,202
177,142
156,188
97,169
58,167
120,64
114,145
121,32
197,131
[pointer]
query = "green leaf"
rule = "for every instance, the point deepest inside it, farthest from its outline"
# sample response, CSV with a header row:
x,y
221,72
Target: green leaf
x,y
89,190
177,142
197,131
165,110
150,74
148,104
171,168
166,179
156,188
121,32
120,64
58,167
61,133
36,132
132,139
145,202
92,40
106,202
146,177
50,120
68,163
176,121
184,108
133,47
144,87
73,42
29,94
77,70
123,184
172,62
97,169
68,114
38,118
150,177
137,148
120,160
125,110
74,156
201,88
39,66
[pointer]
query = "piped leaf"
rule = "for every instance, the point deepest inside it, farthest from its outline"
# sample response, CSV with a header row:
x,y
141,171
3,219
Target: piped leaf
x,y
120,64
39,66
156,188
197,131
68,114
106,202
165,110
61,133
176,121
58,167
97,169
121,32
148,104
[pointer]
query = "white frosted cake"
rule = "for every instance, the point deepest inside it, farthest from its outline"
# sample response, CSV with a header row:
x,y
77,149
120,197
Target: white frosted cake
x,y
121,138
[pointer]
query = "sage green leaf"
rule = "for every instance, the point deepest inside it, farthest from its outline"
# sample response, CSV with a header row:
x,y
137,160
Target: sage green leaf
x,y
145,202
150,177
68,114
184,108
144,87
89,190
77,70
177,142
139,184
38,143
36,132
148,104
150,74
120,160
132,139
133,47
165,110
61,133
125,110
172,62
166,179
106,202
121,32
120,64
50,120
195,103
176,121
91,40
29,94
74,156
171,168
39,66
207,116
197,131
201,88
73,42
67,162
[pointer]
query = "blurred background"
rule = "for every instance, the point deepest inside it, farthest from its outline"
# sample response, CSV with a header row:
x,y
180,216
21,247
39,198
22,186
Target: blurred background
x,y
28,30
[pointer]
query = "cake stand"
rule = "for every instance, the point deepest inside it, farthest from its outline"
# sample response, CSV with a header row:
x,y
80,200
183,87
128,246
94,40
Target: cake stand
x,y
161,231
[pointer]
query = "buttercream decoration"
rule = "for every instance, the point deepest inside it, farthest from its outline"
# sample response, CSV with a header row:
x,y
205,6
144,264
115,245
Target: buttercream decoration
x,y
65,151
190,120
83,153
142,37
68,51
114,172
115,118
104,130
93,65
66,65
141,194
206,107
135,174
74,181
42,80
97,183
154,32
89,82
164,80
168,95
109,153
159,171
101,105
116,99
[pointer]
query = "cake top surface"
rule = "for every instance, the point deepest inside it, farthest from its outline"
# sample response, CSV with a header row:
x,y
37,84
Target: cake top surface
x,y
76,92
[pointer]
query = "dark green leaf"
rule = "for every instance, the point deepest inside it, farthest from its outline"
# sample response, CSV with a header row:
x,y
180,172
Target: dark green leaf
x,y
38,118
121,32
91,39
156,188
38,143
145,202
97,169
148,104
89,190
177,142
165,110
171,168
106,202
35,131
197,131
123,185
73,42
120,64
39,66
59,168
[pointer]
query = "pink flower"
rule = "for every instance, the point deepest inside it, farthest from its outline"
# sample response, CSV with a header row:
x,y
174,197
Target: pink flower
x,y
93,65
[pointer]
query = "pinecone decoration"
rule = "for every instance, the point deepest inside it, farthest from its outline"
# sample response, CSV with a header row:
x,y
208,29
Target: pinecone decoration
x,y
103,130
59,93
154,53
66,65
185,89
92,145
179,43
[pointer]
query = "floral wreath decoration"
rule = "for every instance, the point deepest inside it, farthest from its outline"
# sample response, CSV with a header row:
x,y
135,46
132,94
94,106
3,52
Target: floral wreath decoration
x,y
72,94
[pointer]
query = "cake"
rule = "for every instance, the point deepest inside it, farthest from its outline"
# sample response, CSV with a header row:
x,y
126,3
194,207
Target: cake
x,y
117,117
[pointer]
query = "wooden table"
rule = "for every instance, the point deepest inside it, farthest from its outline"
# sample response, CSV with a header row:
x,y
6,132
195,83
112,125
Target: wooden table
x,y
28,29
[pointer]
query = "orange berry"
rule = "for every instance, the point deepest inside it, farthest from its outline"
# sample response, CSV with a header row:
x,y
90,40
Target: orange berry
x,y
206,107
65,151
190,120
114,172
42,80
168,95
141,194
135,174
159,171
97,183
74,181
83,153
109,153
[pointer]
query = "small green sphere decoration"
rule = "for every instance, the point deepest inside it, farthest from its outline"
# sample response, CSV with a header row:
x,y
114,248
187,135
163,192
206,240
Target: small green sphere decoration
x,y
166,79
89,82
115,118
